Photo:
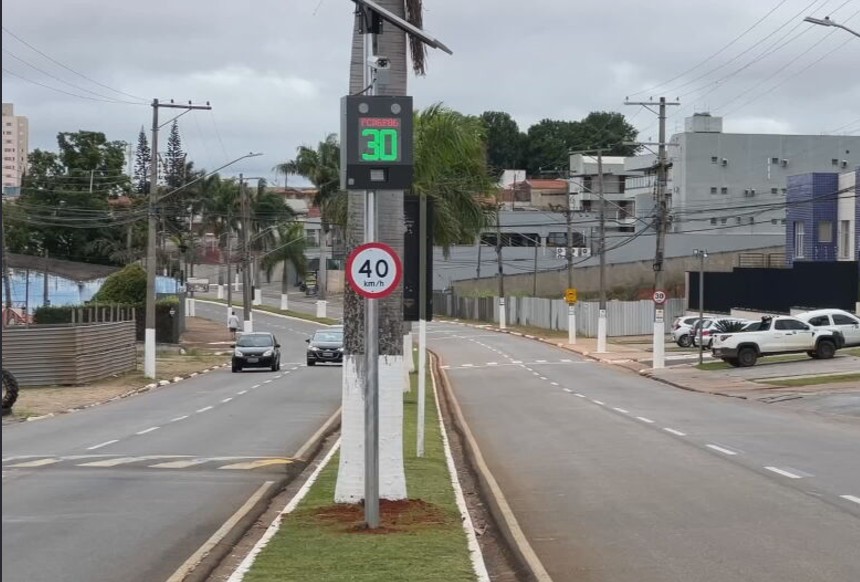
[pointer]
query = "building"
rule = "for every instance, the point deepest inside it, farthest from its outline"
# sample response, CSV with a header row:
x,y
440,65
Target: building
x,y
586,199
16,134
733,183
822,215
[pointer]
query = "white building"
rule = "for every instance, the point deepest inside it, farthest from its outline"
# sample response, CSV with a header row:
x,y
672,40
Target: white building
x,y
16,135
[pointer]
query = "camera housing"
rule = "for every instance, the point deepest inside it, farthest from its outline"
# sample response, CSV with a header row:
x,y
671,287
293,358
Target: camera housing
x,y
379,63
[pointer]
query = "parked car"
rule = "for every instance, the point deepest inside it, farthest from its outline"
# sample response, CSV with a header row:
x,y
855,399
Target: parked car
x,y
847,323
256,350
775,335
715,325
681,330
326,345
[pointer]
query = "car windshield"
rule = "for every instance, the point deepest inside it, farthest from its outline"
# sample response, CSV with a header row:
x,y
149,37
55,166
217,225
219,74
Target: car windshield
x,y
254,341
328,337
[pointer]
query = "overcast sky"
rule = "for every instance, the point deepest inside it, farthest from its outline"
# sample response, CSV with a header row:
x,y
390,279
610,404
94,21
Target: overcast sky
x,y
274,71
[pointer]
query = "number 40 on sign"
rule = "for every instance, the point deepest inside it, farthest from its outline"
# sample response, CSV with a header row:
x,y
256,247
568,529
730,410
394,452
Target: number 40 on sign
x,y
374,270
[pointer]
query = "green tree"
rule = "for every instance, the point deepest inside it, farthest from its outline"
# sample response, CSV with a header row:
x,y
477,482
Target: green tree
x,y
505,142
142,158
174,159
127,287
321,167
289,250
549,144
608,129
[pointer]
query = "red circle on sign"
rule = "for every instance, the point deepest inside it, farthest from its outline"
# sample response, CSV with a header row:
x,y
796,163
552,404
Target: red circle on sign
x,y
368,249
659,297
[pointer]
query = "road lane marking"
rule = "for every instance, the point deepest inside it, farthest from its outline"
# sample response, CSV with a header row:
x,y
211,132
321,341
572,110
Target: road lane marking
x,y
568,390
255,386
554,383
516,361
598,402
150,429
104,444
721,449
566,361
543,377
535,374
178,418
621,410
675,432
36,463
204,409
492,363
179,464
446,367
226,400
267,382
851,498
577,394
256,464
540,361
468,366
111,462
784,473
643,419
242,392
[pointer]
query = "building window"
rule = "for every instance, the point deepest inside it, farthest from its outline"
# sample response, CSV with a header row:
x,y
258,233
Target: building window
x,y
723,220
825,231
713,189
844,239
713,221
774,221
784,190
714,159
774,190
752,219
556,239
738,220
774,160
724,190
798,240
834,162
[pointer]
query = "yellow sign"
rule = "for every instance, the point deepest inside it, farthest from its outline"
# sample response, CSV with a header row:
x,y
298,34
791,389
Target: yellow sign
x,y
570,295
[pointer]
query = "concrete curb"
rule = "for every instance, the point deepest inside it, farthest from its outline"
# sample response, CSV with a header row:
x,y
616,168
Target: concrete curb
x,y
264,312
133,392
497,504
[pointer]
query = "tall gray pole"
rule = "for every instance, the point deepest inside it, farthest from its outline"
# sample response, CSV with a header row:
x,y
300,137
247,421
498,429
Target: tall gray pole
x,y
501,272
371,324
662,204
152,227
601,317
535,274
478,268
422,318
702,256
45,299
246,263
229,246
571,307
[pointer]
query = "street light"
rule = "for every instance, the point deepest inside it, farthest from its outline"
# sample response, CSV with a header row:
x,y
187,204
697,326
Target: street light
x,y
702,254
827,22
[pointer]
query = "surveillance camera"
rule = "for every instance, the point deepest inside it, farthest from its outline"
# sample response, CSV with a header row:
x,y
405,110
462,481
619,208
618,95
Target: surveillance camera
x,y
380,63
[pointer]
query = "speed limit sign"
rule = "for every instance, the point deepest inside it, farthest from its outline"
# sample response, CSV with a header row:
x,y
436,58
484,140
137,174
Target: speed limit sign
x,y
659,297
374,270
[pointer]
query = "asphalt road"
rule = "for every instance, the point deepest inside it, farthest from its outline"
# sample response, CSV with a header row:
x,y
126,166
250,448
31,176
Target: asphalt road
x,y
127,491
617,478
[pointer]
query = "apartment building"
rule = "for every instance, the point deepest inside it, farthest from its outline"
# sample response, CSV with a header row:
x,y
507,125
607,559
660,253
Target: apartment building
x,y
15,150
734,183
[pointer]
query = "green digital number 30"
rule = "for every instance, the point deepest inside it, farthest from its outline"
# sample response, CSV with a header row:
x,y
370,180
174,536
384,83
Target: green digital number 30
x,y
382,145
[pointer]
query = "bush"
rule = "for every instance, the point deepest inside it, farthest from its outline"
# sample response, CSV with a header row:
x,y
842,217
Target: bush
x,y
127,286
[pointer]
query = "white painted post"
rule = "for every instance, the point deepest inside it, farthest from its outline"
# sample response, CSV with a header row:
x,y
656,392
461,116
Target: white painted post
x,y
321,308
236,282
601,332
659,339
571,324
149,351
285,302
422,381
503,323
258,296
192,307
220,291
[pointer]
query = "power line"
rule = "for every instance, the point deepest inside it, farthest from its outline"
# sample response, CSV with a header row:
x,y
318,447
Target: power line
x,y
8,72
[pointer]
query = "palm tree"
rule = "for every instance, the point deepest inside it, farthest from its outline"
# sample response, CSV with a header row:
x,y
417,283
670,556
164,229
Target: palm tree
x,y
350,478
289,250
320,166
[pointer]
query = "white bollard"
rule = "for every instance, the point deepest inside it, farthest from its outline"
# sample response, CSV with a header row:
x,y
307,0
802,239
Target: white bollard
x,y
258,296
659,347
321,305
503,315
601,332
571,324
236,282
247,326
220,291
192,307
285,302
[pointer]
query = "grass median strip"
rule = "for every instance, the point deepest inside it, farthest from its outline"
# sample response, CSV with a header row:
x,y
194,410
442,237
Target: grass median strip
x,y
813,380
420,539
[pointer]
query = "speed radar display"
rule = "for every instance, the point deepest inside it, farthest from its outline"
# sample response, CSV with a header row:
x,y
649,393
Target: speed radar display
x,y
376,143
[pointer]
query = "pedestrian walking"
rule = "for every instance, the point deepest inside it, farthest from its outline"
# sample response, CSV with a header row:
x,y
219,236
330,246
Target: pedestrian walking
x,y
233,324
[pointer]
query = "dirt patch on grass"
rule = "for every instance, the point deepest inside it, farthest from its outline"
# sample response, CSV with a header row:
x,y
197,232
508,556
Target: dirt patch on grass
x,y
394,516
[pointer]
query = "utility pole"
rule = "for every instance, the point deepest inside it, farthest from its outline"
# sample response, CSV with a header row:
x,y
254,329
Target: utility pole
x,y
229,246
45,301
535,240
601,317
571,308
662,224
501,273
478,268
702,254
149,338
246,262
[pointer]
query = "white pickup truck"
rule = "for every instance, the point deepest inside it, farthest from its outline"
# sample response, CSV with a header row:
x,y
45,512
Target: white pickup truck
x,y
775,335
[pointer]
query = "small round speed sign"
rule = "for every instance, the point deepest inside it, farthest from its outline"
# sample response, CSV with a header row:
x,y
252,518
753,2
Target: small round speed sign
x,y
374,270
659,297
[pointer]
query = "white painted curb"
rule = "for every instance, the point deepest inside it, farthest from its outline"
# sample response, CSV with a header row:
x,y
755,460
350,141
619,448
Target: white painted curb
x,y
475,553
239,574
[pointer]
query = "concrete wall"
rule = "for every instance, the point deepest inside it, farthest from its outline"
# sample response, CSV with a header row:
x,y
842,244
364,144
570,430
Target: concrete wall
x,y
638,274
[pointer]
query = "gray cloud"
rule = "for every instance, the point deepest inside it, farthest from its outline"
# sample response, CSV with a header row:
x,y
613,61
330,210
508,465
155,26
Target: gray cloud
x,y
274,70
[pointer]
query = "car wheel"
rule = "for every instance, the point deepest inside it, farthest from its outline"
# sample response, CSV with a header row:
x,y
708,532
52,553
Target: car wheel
x,y
236,368
312,363
747,357
825,349
733,362
812,355
685,341
10,390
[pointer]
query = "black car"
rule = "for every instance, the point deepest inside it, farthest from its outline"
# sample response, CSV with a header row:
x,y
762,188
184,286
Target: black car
x,y
257,350
326,346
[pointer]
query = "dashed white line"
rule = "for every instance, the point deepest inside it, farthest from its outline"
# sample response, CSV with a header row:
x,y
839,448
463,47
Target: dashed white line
x,y
643,419
516,361
150,429
784,473
535,374
226,400
242,392
568,390
675,432
578,395
178,418
598,402
543,377
492,363
540,361
850,498
104,444
621,410
205,408
554,383
255,386
566,361
721,449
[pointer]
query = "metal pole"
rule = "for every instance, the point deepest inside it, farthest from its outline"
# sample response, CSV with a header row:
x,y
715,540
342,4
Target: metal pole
x,y
229,261
45,300
571,308
478,268
371,325
702,256
601,318
26,294
149,338
535,274
422,318
246,263
501,273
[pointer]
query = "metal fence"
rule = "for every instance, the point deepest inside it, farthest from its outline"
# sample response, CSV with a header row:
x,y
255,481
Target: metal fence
x,y
623,318
51,355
